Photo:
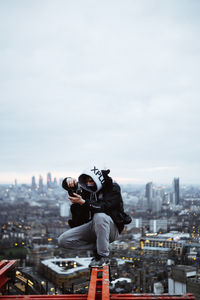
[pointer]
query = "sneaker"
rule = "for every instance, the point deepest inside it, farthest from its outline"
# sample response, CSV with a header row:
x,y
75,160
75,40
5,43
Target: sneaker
x,y
99,262
94,259
104,260
93,262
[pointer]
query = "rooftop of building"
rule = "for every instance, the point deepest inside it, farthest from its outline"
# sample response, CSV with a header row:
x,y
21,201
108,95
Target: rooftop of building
x,y
170,236
68,266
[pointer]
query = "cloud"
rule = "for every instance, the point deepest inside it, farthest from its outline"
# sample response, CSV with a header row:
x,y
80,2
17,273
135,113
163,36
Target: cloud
x,y
105,82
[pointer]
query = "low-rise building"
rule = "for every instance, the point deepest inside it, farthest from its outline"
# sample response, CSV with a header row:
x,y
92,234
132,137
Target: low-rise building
x,y
161,244
184,279
65,271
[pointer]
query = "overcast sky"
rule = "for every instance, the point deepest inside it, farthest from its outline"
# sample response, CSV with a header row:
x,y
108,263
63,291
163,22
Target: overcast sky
x,y
111,83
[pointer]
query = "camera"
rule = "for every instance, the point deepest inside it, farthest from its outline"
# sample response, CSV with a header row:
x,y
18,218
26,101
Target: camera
x,y
71,190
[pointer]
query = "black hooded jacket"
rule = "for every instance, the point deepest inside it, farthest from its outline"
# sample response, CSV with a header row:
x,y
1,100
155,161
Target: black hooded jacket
x,y
107,200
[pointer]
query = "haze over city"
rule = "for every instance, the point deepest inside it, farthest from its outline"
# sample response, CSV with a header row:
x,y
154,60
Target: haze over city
x,y
108,83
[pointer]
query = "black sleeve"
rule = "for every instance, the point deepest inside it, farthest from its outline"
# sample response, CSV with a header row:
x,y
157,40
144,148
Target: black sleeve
x,y
113,199
79,215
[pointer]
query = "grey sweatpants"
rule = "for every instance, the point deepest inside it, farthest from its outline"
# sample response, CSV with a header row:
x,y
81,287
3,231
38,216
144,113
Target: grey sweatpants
x,y
94,235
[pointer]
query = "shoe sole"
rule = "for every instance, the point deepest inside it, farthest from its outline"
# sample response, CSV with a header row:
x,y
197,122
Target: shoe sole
x,y
99,266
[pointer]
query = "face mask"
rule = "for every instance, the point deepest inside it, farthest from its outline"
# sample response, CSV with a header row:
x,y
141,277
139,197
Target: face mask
x,y
91,186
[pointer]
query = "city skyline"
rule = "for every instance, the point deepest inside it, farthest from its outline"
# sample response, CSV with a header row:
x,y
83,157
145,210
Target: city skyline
x,y
26,178
44,177
103,84
48,178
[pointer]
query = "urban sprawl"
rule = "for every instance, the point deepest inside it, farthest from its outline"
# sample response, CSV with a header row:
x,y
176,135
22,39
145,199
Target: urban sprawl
x,y
158,252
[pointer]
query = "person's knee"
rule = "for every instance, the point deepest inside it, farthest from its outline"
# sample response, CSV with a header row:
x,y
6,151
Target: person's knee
x,y
60,241
64,240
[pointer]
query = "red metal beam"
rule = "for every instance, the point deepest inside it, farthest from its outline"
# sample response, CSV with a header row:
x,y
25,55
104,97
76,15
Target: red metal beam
x,y
44,297
112,297
105,284
5,266
99,284
2,263
150,297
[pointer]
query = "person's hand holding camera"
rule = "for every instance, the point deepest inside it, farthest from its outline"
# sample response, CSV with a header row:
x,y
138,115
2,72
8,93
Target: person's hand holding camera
x,y
73,197
76,199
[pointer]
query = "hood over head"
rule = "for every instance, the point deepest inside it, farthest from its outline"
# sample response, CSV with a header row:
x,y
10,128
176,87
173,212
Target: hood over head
x,y
96,175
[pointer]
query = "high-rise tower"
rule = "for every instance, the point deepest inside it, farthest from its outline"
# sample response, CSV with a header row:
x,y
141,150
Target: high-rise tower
x,y
49,182
33,183
176,191
149,194
41,184
55,182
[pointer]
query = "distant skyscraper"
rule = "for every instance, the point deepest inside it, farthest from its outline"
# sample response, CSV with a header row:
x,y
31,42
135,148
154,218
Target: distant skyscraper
x,y
55,182
156,225
49,182
137,223
148,194
64,209
33,183
60,181
157,204
41,184
176,191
